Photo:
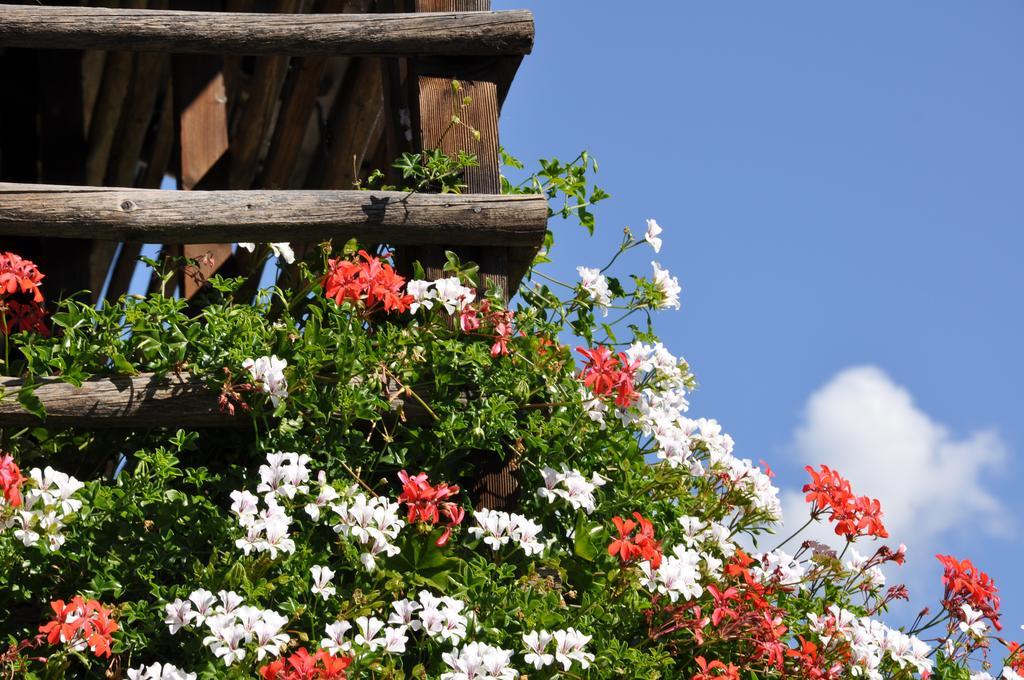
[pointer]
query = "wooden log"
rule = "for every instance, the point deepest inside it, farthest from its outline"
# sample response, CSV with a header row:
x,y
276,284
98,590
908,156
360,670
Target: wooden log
x,y
146,400
440,33
154,216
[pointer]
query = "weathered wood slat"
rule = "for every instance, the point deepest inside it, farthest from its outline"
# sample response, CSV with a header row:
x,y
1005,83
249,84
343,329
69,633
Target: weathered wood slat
x,y
441,33
146,400
154,216
124,402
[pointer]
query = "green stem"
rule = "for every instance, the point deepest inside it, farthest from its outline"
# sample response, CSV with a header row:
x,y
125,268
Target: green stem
x,y
795,533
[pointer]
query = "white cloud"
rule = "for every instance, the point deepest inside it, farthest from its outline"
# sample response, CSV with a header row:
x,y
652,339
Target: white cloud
x,y
868,428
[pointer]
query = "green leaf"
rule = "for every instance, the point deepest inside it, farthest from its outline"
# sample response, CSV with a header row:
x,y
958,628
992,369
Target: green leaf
x,y
30,402
583,538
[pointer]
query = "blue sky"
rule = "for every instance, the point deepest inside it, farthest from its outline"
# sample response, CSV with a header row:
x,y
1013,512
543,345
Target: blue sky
x,y
841,185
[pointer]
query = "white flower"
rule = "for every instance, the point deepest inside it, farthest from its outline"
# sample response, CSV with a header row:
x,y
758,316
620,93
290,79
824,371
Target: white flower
x,y
452,295
159,671
403,614
537,642
678,576
422,295
596,286
653,230
478,661
395,640
267,634
569,644
54,488
334,641
780,566
593,407
248,617
268,371
245,505
571,486
229,601
283,475
972,623
325,496
498,528
204,602
322,581
373,523
441,617
179,615
47,503
227,640
369,627
281,250
668,286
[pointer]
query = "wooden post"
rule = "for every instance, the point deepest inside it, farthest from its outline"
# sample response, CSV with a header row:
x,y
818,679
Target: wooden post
x,y
496,485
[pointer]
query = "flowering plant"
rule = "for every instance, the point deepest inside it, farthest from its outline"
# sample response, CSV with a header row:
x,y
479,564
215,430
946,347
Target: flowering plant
x,y
351,529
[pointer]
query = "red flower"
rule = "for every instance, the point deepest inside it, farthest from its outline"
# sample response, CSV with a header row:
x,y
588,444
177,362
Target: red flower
x,y
372,282
631,547
499,322
428,503
606,373
303,666
18,275
11,480
854,516
966,584
715,669
21,300
810,663
722,609
81,624
502,321
469,319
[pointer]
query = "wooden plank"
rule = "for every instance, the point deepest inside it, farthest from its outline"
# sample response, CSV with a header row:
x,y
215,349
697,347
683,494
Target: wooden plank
x,y
154,216
146,400
353,126
297,104
201,108
444,33
258,111
149,80
200,104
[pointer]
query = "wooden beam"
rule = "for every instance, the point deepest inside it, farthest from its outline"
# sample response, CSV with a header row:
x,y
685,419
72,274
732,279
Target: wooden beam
x,y
147,400
201,110
258,111
441,33
123,402
353,127
154,216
